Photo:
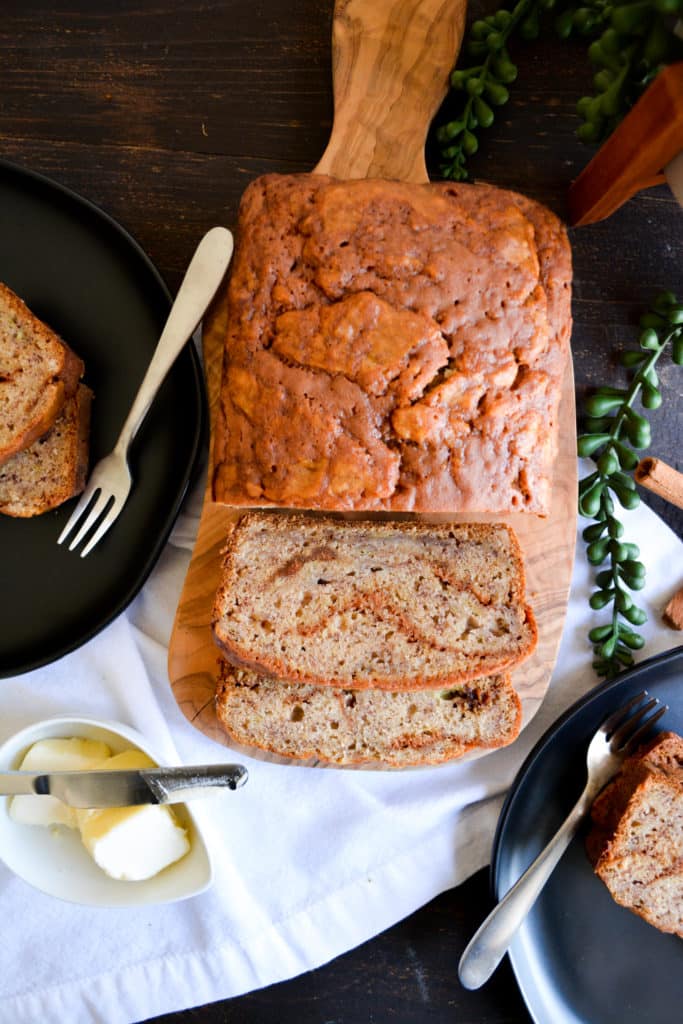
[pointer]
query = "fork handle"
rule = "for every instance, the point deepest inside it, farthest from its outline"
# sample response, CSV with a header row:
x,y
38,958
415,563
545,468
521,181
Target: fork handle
x,y
202,278
490,942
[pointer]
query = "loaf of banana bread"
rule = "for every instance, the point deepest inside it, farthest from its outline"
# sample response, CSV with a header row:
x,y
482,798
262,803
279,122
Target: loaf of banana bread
x,y
392,346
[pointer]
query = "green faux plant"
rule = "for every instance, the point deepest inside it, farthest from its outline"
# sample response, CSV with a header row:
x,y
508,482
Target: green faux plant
x,y
615,431
631,43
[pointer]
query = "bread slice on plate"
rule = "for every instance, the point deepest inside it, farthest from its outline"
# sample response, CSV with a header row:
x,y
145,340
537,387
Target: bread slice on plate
x,y
662,754
38,373
52,469
642,865
372,605
636,843
370,728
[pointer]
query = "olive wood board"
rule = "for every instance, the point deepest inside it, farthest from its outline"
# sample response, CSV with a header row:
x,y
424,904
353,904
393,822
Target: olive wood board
x,y
548,546
388,56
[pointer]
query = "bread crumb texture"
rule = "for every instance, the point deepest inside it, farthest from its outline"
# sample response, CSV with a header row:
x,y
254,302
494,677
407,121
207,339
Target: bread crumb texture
x,y
53,468
636,838
38,374
381,605
392,346
371,728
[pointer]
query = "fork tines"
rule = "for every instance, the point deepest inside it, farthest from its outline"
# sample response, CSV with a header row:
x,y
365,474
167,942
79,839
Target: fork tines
x,y
94,505
619,727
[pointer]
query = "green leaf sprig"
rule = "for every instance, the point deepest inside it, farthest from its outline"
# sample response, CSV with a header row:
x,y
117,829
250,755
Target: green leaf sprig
x,y
484,84
615,432
635,43
632,41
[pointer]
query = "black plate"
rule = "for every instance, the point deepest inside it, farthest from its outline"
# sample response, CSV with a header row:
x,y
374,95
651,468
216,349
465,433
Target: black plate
x,y
579,958
81,273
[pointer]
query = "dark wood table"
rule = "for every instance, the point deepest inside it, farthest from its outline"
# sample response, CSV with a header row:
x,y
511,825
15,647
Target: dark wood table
x,y
162,113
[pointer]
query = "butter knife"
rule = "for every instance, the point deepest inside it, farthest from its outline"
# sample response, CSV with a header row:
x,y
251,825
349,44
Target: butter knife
x,y
126,788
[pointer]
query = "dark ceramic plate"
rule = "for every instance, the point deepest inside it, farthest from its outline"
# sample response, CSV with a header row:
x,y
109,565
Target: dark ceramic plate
x,y
579,958
78,270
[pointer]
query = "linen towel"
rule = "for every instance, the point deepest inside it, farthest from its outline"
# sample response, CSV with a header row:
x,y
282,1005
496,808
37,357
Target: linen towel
x,y
308,862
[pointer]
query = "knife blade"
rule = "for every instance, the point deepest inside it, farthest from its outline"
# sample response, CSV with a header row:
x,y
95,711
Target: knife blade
x,y
126,788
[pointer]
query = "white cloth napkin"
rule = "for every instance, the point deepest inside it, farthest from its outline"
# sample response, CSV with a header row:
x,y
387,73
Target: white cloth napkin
x,y
309,862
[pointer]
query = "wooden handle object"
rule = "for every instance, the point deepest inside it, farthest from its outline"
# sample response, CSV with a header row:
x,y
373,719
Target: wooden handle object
x,y
391,60
391,64
635,154
661,479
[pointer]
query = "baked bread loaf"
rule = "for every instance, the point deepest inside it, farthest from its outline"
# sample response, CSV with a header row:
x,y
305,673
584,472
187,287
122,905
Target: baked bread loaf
x,y
38,373
374,728
636,841
52,469
392,346
386,605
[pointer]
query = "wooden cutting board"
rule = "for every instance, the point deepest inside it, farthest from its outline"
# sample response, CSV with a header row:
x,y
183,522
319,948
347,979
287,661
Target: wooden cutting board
x,y
391,60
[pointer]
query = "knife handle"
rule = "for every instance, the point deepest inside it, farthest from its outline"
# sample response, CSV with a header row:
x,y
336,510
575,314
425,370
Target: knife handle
x,y
166,785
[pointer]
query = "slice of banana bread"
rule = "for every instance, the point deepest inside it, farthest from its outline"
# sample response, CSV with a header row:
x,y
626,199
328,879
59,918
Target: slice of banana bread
x,y
54,467
38,373
664,753
386,605
636,843
374,728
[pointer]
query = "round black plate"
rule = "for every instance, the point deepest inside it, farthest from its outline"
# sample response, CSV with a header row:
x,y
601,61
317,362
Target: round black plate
x,y
579,957
81,273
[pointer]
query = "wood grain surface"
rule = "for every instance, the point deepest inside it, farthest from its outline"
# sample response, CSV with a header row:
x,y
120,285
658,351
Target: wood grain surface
x,y
547,544
392,36
391,60
162,114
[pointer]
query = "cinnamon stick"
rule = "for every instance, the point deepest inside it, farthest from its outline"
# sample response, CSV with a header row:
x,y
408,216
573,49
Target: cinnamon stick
x,y
673,613
661,479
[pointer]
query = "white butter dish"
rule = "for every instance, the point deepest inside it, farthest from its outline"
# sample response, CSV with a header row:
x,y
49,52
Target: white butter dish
x,y
55,860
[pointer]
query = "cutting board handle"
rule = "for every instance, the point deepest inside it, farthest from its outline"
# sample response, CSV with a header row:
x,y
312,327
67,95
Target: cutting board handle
x,y
390,63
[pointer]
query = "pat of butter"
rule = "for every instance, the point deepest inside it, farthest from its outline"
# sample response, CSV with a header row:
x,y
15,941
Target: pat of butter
x,y
72,754
132,843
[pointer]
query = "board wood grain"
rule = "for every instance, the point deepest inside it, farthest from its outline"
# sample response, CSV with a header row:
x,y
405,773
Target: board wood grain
x,y
390,65
377,49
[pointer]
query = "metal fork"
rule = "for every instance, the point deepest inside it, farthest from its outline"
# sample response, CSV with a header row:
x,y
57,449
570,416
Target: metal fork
x,y
617,737
110,481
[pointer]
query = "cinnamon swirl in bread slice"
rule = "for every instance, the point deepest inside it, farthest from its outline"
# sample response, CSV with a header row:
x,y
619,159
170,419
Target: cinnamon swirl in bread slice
x,y
636,843
372,605
371,728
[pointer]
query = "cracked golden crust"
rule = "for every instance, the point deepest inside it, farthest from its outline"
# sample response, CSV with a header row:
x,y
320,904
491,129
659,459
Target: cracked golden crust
x,y
390,605
39,373
392,346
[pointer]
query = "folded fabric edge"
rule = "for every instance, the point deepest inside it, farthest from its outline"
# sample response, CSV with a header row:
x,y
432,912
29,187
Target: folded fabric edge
x,y
334,925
